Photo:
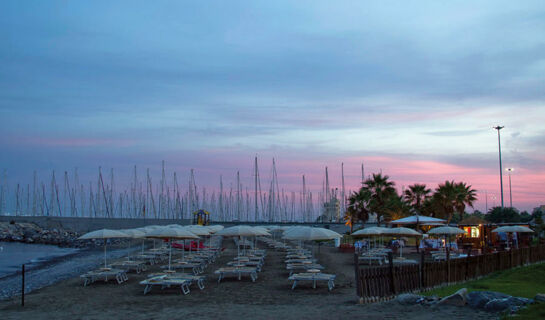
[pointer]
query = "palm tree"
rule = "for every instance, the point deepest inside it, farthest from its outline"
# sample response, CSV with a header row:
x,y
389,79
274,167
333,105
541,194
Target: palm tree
x,y
464,196
357,210
381,190
451,197
416,195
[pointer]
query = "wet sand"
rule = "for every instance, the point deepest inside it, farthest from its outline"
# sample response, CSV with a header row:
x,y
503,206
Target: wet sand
x,y
270,297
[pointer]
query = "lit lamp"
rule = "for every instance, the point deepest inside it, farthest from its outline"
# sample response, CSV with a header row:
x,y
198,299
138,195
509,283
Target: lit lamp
x,y
510,195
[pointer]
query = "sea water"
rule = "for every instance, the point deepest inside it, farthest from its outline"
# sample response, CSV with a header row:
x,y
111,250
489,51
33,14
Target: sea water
x,y
14,254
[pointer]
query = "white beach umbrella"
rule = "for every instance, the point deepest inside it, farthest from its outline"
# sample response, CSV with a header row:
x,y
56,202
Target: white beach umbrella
x,y
310,233
421,220
134,234
446,230
371,231
239,231
402,231
104,234
513,229
171,233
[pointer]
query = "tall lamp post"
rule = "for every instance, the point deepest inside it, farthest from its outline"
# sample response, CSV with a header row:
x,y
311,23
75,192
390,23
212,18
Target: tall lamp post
x,y
501,171
510,194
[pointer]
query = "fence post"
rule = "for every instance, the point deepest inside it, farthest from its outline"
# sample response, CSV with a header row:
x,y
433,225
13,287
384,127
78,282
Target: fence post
x,y
391,268
357,270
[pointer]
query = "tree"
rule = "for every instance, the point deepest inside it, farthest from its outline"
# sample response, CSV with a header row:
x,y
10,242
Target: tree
x,y
450,198
397,208
416,195
381,190
357,210
502,215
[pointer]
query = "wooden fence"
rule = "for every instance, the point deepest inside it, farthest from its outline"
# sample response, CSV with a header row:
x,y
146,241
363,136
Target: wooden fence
x,y
389,280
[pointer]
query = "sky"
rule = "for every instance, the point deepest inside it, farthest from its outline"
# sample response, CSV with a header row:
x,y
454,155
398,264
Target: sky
x,y
410,89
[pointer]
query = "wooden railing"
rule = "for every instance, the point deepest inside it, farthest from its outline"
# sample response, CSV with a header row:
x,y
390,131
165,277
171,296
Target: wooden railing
x,y
390,280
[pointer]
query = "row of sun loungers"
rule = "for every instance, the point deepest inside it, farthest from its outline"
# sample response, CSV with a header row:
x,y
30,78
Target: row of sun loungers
x,y
195,261
302,266
248,265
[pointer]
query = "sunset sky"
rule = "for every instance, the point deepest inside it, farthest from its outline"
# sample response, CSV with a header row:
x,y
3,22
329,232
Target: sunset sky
x,y
409,88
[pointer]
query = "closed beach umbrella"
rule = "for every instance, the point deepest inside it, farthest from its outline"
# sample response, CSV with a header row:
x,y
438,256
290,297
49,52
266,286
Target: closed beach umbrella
x,y
104,234
171,233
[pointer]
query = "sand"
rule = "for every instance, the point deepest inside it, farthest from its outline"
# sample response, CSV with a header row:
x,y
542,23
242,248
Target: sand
x,y
270,297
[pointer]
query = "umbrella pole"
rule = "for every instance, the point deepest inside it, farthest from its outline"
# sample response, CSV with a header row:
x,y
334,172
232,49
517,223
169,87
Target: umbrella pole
x,y
143,245
169,252
238,247
105,253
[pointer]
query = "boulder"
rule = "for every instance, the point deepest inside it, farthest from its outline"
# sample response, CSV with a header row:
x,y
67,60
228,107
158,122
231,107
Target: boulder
x,y
478,299
456,299
540,297
504,304
408,298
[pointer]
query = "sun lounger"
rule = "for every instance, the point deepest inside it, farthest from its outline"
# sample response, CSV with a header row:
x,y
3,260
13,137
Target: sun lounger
x,y
128,266
255,264
196,268
149,258
314,277
105,274
166,282
300,261
294,267
198,280
237,271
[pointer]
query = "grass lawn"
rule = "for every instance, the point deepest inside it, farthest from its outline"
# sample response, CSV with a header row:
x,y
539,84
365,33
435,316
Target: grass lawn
x,y
521,282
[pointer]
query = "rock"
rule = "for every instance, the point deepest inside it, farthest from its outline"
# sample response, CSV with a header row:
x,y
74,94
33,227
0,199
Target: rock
x,y
478,299
456,299
510,303
408,298
540,297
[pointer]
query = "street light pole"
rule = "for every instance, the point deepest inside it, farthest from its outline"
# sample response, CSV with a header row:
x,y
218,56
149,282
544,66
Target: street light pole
x,y
501,171
510,194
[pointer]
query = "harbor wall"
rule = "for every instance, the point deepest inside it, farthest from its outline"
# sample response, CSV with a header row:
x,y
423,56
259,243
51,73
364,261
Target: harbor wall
x,y
82,225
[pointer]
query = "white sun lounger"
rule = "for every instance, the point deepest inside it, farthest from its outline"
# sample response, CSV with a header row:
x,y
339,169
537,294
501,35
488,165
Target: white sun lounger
x,y
293,267
196,268
198,280
314,277
237,271
128,266
166,282
104,274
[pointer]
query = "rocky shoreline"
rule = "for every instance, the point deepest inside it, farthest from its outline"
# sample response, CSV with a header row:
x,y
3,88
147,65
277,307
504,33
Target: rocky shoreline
x,y
32,233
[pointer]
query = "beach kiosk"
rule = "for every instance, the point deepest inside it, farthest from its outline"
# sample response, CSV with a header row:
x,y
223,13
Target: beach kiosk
x,y
201,217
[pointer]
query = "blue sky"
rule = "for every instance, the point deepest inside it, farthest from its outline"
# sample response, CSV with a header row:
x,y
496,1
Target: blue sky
x,y
208,85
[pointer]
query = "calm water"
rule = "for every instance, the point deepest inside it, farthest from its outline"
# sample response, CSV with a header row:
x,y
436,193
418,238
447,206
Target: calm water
x,y
14,254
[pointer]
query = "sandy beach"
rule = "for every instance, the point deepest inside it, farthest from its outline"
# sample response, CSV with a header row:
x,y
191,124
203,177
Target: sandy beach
x,y
270,297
